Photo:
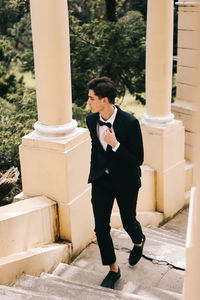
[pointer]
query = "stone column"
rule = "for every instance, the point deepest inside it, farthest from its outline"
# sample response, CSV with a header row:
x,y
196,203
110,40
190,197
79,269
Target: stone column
x,y
52,68
159,47
163,136
55,158
192,275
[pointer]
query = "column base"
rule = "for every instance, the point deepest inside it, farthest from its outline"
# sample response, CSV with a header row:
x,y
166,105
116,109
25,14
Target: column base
x,y
157,121
164,152
55,132
59,170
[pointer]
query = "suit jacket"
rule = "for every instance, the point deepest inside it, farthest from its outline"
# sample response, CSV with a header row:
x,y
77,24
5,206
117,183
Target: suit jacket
x,y
124,164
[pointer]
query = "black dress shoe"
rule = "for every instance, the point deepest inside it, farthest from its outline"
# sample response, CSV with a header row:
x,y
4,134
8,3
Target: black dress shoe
x,y
136,253
110,279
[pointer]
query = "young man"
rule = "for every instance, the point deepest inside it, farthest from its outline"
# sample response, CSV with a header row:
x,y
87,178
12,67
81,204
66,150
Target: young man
x,y
116,156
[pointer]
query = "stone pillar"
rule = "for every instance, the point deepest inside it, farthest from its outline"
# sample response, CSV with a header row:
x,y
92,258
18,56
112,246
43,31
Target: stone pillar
x,y
163,136
192,275
183,106
159,49
52,68
55,158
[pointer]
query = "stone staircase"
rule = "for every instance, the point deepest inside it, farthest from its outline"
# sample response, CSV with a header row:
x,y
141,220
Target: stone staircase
x,y
28,231
159,274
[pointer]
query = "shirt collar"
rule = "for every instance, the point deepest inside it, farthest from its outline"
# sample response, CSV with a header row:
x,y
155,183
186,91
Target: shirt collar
x,y
112,118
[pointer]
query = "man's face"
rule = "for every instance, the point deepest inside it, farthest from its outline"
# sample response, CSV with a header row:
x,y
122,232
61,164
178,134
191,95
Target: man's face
x,y
95,103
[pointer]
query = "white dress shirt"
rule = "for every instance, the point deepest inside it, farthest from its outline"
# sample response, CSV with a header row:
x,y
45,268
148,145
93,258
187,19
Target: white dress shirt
x,y
101,130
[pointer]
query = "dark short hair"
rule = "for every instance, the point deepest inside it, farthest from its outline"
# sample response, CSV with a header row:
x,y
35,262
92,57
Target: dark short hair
x,y
103,87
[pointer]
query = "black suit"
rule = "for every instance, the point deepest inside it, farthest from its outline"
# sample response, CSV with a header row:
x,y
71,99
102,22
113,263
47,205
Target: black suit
x,y
122,182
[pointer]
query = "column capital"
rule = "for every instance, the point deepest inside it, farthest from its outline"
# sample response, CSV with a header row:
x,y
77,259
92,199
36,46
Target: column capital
x,y
64,131
157,121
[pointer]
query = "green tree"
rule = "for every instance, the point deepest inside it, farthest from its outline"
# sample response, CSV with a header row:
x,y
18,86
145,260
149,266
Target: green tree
x,y
21,38
123,6
17,109
114,49
87,10
8,82
11,12
16,120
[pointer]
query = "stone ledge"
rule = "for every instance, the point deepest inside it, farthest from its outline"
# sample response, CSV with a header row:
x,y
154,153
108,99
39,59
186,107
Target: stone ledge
x,y
33,262
30,140
27,224
146,218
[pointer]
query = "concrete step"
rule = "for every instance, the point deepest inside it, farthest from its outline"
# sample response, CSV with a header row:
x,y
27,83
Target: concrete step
x,y
178,224
168,232
33,261
153,233
158,246
27,224
150,218
146,218
11,293
69,290
173,235
72,273
55,286
164,235
148,280
157,273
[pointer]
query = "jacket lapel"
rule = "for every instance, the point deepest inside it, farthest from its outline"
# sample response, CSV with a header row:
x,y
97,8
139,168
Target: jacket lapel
x,y
94,131
117,125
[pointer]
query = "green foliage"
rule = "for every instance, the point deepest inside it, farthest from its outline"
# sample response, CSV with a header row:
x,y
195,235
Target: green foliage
x,y
11,12
123,6
16,121
6,52
8,82
17,109
79,114
21,38
86,11
113,49
90,10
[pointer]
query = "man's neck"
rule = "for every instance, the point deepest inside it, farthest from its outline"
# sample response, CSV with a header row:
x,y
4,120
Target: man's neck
x,y
107,113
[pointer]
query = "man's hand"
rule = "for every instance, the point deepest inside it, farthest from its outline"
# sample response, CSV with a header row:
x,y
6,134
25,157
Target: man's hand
x,y
110,138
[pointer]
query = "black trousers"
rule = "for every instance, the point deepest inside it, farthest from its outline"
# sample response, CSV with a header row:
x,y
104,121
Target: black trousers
x,y
104,191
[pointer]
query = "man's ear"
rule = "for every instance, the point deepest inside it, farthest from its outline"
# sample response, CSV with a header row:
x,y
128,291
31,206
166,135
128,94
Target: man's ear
x,y
105,100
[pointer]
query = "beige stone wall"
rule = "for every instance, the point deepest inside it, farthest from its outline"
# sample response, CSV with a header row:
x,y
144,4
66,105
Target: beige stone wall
x,y
190,18
187,71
